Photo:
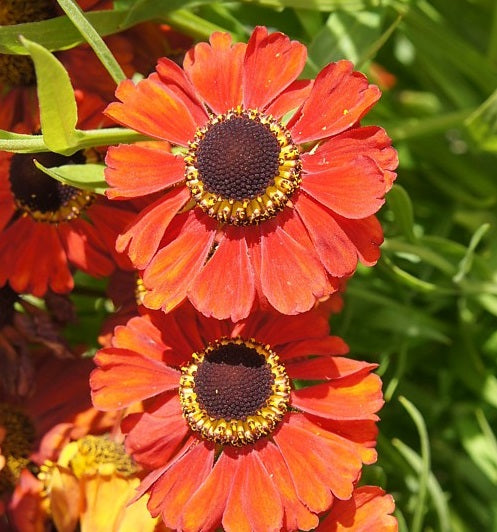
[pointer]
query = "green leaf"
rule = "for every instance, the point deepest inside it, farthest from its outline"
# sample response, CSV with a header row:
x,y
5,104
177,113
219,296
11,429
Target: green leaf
x,y
345,35
482,124
20,143
85,176
77,17
399,201
467,260
58,110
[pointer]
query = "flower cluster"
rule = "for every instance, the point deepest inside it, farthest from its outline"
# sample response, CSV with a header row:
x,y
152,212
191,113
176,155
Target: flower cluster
x,y
228,236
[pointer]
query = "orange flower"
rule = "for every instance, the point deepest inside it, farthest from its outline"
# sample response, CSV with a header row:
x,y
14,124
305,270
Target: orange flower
x,y
367,510
254,205
263,427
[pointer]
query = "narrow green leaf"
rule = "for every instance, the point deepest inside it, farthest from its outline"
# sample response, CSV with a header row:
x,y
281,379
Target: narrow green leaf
x,y
415,414
482,124
91,36
437,495
467,260
320,5
399,201
58,110
84,176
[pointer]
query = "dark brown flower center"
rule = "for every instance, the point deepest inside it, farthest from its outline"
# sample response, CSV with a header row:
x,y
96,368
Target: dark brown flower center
x,y
238,158
233,382
41,196
7,299
18,70
16,445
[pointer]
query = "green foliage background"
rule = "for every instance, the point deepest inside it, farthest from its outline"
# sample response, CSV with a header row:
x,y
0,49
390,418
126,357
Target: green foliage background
x,y
428,312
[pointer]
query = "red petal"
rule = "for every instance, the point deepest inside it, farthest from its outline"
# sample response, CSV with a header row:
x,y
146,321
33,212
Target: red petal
x,y
143,238
173,489
140,335
253,504
291,98
171,272
353,397
155,438
124,377
216,71
326,368
272,63
153,109
329,345
225,287
354,190
41,246
291,278
205,508
177,82
134,170
305,467
339,98
332,244
366,235
318,463
84,247
368,509
297,516
345,147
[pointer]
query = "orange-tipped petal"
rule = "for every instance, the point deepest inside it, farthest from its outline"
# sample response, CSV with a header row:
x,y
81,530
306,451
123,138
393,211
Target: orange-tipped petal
x,y
339,98
134,170
272,62
230,295
124,377
216,71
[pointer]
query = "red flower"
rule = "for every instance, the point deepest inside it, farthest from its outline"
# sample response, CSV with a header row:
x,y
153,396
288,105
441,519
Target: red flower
x,y
254,206
53,226
367,510
264,427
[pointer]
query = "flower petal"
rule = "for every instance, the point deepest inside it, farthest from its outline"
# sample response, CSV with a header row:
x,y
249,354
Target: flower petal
x,y
319,464
204,510
173,489
134,170
216,71
124,377
291,277
291,98
153,109
142,239
296,515
354,190
171,272
253,496
369,508
140,335
177,82
272,62
333,246
153,439
353,397
340,150
339,98
326,367
366,235
230,295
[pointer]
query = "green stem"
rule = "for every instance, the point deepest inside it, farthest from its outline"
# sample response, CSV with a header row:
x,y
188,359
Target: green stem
x,y
77,17
428,126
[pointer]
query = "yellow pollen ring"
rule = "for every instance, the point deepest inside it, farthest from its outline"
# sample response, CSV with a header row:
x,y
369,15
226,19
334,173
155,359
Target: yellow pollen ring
x,y
248,211
71,210
236,432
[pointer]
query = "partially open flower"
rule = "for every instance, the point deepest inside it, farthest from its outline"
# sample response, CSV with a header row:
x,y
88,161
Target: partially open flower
x,y
272,190
256,425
